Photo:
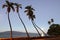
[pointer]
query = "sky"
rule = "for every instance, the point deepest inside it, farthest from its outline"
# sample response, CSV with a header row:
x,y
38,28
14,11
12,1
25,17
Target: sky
x,y
44,11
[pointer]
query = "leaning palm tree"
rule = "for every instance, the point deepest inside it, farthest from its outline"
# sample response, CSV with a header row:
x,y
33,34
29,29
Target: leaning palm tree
x,y
9,6
41,30
17,10
31,16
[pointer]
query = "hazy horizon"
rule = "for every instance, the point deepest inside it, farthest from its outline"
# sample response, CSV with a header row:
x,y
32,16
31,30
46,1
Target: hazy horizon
x,y
44,11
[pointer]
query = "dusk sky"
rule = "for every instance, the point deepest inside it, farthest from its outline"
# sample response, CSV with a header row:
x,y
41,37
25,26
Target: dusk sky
x,y
44,11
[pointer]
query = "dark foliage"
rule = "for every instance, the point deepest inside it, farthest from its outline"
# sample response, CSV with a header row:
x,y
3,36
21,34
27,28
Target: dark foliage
x,y
54,29
49,22
52,20
9,6
30,12
17,7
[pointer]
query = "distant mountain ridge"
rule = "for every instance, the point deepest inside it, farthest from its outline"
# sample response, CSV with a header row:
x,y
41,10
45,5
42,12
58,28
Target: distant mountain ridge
x,y
16,34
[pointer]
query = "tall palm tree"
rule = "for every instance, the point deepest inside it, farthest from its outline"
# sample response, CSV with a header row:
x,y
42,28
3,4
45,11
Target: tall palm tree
x,y
31,16
17,10
9,6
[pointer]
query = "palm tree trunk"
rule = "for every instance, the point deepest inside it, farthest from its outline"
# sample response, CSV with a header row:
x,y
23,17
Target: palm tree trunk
x,y
36,28
10,27
23,25
41,30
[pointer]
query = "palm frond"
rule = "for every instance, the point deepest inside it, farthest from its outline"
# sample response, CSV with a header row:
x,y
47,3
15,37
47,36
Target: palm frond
x,y
26,11
4,6
12,3
12,8
27,7
32,19
32,9
17,7
34,16
7,2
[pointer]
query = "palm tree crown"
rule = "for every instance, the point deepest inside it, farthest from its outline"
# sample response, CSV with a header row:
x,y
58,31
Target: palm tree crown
x,y
30,12
17,7
9,6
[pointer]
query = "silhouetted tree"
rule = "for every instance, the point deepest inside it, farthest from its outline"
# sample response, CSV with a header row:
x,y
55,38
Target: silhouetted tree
x,y
54,29
31,16
9,6
51,21
17,10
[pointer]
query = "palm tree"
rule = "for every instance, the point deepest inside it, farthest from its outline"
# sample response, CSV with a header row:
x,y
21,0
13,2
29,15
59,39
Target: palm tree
x,y
9,7
17,9
41,30
51,21
31,16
